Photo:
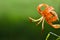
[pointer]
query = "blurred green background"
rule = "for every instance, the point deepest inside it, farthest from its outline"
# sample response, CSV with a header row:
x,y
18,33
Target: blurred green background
x,y
14,22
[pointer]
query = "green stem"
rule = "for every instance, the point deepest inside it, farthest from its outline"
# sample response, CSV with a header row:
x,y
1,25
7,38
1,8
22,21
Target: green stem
x,y
47,36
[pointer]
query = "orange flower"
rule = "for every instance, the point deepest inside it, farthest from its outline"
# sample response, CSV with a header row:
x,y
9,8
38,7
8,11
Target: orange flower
x,y
48,14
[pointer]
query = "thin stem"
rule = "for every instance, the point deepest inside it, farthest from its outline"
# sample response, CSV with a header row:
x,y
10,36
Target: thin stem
x,y
52,34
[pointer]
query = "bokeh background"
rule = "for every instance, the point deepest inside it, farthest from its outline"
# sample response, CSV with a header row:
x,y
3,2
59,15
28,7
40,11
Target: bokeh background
x,y
14,22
